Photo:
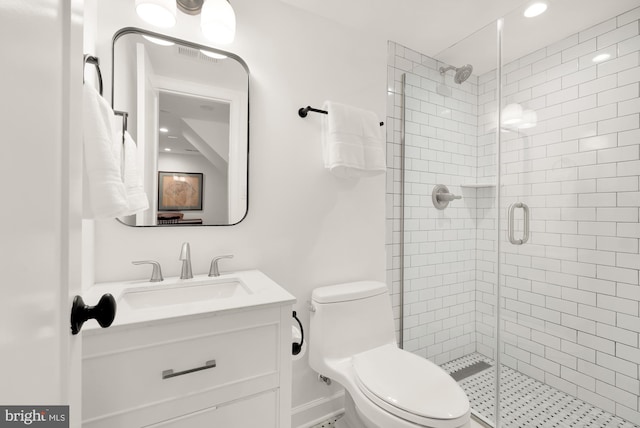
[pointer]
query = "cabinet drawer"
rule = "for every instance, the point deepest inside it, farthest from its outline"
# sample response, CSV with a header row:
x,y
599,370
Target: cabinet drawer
x,y
129,379
256,411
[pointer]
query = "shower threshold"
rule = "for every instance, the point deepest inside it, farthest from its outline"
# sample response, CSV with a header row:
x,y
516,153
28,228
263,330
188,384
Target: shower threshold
x,y
525,401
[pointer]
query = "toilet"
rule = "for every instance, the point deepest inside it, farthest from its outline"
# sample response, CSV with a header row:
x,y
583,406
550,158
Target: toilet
x,y
352,342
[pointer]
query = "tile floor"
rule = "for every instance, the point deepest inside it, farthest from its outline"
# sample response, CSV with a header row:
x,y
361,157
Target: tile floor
x,y
528,402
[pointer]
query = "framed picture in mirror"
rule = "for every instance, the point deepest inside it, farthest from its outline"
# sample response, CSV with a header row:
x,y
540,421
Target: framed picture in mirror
x,y
179,191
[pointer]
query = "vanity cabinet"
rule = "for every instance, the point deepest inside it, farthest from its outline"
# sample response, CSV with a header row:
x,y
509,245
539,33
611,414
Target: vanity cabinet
x,y
222,369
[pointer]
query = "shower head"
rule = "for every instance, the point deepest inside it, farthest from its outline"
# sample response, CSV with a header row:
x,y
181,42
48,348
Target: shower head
x,y
462,73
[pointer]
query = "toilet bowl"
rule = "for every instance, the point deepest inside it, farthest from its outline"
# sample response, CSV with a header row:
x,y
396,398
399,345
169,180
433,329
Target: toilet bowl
x,y
352,342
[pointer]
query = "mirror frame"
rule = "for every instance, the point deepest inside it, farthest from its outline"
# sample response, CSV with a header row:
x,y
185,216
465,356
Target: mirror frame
x,y
134,30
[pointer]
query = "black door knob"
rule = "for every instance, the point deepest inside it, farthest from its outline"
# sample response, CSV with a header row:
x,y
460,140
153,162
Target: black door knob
x,y
104,312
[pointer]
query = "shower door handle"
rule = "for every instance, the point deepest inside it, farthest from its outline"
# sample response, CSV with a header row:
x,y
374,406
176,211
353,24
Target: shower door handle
x,y
511,223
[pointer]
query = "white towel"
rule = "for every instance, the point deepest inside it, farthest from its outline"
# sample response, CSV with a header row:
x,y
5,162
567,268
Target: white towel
x,y
104,192
353,142
136,196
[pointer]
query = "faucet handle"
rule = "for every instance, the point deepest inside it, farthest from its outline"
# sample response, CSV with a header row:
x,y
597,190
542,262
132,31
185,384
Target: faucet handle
x,y
213,270
156,274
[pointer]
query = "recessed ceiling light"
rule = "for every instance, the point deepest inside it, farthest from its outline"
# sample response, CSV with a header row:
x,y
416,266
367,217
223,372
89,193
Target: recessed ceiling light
x,y
601,57
167,149
157,41
212,54
535,9
164,130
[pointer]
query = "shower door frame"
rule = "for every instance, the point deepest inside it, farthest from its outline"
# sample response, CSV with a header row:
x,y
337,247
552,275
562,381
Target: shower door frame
x,y
497,231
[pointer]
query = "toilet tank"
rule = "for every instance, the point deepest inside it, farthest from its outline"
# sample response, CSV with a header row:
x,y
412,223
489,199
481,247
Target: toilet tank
x,y
348,319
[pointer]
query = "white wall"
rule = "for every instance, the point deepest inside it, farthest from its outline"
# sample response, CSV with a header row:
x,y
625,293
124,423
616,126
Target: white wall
x,y
304,228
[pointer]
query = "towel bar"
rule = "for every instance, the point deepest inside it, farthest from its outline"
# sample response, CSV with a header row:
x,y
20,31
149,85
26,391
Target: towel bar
x,y
303,111
90,59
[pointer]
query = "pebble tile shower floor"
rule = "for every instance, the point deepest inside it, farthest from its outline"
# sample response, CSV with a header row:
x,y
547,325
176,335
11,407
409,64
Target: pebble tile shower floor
x,y
527,402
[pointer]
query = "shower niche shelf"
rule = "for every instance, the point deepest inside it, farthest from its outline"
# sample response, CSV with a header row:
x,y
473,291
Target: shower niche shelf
x,y
478,185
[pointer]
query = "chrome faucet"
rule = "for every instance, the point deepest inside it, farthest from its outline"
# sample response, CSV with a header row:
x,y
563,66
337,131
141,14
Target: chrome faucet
x,y
185,256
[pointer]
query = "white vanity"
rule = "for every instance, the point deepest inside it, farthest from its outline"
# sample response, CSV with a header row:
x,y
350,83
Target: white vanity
x,y
201,352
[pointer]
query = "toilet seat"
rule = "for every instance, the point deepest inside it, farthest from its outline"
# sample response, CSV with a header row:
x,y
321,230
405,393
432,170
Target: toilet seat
x,y
410,387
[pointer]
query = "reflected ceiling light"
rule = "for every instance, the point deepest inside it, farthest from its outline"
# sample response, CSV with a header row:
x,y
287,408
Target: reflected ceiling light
x,y
512,114
160,13
167,149
163,130
157,41
601,57
218,21
514,118
529,119
212,54
535,9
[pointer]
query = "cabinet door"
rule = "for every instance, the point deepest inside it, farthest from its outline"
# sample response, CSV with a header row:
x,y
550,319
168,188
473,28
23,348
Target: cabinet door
x,y
256,411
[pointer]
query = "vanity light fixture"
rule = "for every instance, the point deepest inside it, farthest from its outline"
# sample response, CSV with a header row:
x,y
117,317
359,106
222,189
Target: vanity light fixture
x,y
535,9
217,18
218,21
161,13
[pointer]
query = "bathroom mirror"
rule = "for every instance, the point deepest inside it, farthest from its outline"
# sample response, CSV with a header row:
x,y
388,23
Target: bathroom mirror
x,y
186,107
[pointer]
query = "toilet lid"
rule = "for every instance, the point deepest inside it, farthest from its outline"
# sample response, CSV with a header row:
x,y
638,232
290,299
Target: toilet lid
x,y
410,384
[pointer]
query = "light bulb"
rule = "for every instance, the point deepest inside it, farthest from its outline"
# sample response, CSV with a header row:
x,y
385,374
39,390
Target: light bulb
x,y
160,13
218,21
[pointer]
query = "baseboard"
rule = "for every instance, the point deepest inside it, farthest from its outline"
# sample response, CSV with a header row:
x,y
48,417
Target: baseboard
x,y
314,412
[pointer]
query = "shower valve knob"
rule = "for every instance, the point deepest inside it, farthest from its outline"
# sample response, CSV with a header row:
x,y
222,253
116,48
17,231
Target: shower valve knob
x,y
441,196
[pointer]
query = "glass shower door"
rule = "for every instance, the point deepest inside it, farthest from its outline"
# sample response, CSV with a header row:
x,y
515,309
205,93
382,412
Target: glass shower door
x,y
446,187
568,242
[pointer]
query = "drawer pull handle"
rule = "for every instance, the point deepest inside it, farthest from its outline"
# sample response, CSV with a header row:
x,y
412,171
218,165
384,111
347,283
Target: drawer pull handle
x,y
167,374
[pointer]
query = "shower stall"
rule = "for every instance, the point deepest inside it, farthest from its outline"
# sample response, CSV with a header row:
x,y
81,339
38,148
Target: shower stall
x,y
526,288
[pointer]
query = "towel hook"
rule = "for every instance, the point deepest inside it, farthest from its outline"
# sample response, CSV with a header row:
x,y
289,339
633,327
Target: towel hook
x,y
90,59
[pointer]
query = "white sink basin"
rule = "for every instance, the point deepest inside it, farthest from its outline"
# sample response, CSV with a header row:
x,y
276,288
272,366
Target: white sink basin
x,y
179,294
143,301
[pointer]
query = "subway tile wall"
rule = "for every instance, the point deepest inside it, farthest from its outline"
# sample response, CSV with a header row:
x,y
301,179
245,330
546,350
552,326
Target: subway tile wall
x,y
440,245
571,295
